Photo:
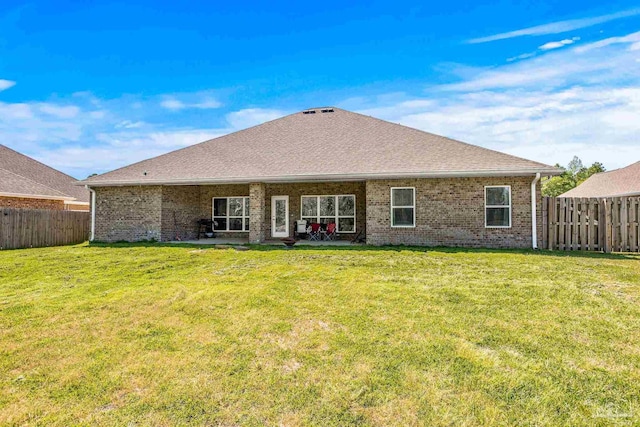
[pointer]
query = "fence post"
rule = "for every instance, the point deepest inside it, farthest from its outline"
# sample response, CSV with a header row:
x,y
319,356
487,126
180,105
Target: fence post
x,y
553,221
608,226
545,221
624,225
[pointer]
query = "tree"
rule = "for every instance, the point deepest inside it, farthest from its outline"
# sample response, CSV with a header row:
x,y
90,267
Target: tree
x,y
585,173
574,174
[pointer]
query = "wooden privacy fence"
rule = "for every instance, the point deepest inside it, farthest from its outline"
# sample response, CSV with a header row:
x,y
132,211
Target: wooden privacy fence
x,y
588,224
31,228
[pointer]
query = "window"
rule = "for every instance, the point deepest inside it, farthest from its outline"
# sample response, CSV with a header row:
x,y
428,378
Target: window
x,y
326,209
497,206
403,207
231,213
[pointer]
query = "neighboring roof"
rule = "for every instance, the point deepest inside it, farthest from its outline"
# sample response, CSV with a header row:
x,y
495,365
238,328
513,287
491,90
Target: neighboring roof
x,y
321,144
615,183
16,185
24,176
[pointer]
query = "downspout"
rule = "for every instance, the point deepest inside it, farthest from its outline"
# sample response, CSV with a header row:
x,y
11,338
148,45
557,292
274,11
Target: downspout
x,y
93,213
534,211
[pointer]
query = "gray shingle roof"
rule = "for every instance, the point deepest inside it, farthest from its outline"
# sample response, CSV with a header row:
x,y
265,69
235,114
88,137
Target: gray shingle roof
x,y
618,182
23,175
10,183
321,146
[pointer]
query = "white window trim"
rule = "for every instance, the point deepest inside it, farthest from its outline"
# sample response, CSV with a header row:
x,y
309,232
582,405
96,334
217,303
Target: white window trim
x,y
497,206
227,216
336,216
391,207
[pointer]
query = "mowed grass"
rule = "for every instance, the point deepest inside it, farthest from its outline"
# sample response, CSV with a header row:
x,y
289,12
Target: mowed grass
x,y
165,335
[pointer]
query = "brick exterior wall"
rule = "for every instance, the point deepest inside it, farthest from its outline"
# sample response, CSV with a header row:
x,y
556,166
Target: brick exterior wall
x,y
180,211
128,213
257,202
28,203
450,212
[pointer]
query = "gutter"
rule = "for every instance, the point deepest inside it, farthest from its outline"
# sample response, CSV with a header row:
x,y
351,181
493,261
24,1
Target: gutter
x,y
93,213
534,211
324,177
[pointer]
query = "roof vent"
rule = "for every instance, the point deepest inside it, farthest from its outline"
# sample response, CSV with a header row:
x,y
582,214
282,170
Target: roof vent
x,y
309,112
327,110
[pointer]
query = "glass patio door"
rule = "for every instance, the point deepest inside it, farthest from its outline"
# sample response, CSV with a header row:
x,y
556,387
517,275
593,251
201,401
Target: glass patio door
x,y
280,216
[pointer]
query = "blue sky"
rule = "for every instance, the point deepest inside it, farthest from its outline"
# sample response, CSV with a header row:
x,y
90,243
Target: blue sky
x,y
90,86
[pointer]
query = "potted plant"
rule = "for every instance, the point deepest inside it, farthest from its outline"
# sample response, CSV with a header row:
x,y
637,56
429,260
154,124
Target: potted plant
x,y
288,241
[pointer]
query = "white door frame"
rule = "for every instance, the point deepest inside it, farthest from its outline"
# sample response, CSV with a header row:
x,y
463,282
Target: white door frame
x,y
273,216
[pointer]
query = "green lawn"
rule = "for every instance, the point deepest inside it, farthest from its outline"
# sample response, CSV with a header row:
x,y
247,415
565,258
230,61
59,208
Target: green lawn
x,y
158,335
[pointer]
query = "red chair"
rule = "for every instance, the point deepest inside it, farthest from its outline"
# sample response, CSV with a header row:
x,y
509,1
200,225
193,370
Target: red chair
x,y
330,232
314,231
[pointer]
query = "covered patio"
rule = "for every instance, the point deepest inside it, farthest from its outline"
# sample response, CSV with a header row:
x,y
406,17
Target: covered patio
x,y
260,213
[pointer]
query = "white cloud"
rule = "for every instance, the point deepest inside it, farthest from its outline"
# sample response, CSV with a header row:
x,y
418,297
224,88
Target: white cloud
x,y
172,104
6,84
558,44
252,116
128,124
591,63
198,100
80,139
207,104
522,56
63,112
11,112
572,102
595,124
630,38
558,27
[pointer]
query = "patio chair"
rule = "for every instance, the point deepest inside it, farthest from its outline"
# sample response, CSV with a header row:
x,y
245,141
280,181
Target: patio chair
x,y
330,232
300,230
205,228
314,232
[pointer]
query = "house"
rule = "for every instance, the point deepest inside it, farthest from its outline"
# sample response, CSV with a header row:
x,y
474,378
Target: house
x,y
392,183
615,183
27,183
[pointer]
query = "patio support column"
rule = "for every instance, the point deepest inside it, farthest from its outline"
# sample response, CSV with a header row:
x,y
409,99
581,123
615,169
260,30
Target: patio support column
x,y
257,212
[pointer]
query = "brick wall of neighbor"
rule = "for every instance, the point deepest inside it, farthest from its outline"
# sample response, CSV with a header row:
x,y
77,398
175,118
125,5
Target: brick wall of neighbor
x,y
180,211
28,203
450,212
77,207
128,213
295,191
